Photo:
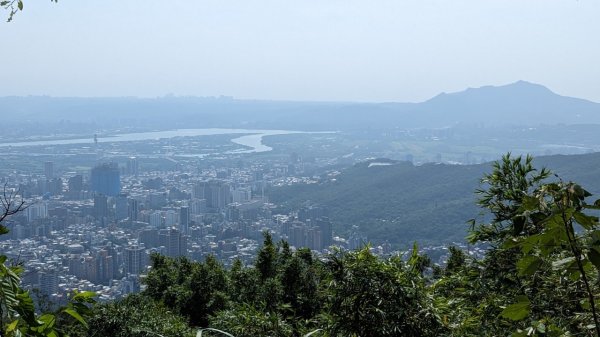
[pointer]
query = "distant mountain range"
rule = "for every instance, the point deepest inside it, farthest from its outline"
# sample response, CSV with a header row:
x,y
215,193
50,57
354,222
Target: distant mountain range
x,y
520,103
429,204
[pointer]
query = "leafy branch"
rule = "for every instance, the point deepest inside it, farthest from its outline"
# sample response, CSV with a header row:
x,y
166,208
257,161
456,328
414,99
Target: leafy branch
x,y
14,6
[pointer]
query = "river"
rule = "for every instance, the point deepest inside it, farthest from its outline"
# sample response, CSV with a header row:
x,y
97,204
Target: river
x,y
253,140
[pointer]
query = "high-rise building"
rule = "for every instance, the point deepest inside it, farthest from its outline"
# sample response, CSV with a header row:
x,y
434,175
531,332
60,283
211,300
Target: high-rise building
x,y
121,207
325,227
198,206
156,219
132,166
297,236
76,183
134,260
241,194
106,179
157,199
49,170
174,242
37,210
200,190
100,206
132,210
148,237
104,266
184,219
170,218
49,281
217,193
55,186
314,238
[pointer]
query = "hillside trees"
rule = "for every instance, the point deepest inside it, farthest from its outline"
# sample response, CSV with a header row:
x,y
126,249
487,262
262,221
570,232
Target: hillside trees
x,y
539,276
370,296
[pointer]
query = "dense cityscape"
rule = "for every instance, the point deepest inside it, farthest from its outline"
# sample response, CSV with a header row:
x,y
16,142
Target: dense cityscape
x,y
95,230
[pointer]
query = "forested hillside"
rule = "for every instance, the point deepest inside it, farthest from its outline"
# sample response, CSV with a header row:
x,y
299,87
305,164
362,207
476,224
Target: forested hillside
x,y
403,203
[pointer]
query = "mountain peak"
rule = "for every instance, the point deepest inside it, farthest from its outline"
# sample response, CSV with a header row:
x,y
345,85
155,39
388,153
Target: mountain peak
x,y
524,85
519,102
516,88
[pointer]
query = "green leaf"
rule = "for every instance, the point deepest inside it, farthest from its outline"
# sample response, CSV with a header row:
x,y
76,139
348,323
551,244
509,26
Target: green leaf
x,y
85,296
528,265
529,203
518,224
586,221
594,257
312,333
585,304
20,5
517,311
12,326
77,316
199,334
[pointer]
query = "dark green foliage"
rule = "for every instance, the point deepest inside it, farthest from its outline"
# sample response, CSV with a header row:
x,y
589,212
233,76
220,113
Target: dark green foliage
x,y
506,189
195,290
266,259
536,279
246,321
369,296
136,316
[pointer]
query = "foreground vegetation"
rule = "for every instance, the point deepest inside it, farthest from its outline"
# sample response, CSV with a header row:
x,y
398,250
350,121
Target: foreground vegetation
x,y
539,277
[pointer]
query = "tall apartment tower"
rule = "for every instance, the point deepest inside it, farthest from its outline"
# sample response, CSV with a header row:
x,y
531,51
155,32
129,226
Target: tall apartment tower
x,y
133,166
100,206
134,260
184,219
49,170
76,183
121,207
49,281
132,210
106,179
174,242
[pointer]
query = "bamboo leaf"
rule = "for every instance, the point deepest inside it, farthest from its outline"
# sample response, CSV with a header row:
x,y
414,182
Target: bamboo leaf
x,y
199,334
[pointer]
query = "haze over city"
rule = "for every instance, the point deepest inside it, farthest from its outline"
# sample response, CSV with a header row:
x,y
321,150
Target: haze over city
x,y
402,51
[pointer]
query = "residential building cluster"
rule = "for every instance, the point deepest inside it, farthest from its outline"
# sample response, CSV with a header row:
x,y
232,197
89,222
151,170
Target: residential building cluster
x,y
97,230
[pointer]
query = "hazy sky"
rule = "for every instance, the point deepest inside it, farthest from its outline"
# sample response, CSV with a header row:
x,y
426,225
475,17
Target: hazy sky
x,y
377,50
